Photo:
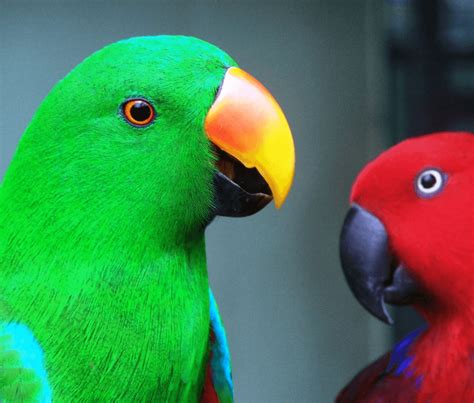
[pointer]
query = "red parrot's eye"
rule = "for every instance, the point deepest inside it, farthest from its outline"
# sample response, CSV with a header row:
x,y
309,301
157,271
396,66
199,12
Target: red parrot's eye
x,y
430,182
138,112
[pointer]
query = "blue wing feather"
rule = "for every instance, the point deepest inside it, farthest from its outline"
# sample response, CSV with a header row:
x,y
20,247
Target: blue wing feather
x,y
390,377
221,368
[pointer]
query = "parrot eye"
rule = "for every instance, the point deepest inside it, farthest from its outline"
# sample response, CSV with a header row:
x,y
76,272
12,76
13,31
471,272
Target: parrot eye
x,y
430,182
138,112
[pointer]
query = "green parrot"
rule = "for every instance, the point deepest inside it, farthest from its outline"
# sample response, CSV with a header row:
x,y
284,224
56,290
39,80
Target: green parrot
x,y
104,292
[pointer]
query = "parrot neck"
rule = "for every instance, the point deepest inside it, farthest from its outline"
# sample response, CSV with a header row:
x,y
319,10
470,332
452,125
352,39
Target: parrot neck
x,y
443,357
61,224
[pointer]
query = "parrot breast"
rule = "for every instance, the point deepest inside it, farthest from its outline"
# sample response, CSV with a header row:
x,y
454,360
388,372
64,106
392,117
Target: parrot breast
x,y
134,331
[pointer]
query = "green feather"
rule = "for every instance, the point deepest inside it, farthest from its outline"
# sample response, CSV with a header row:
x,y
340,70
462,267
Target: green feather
x,y
102,251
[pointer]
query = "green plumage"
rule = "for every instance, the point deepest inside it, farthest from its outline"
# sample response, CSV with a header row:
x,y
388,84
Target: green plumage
x,y
102,225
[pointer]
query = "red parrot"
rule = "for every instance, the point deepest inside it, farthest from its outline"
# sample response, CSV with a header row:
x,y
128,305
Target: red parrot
x,y
409,239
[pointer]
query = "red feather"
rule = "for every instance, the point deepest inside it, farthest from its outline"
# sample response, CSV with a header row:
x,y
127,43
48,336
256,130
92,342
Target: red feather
x,y
372,385
209,394
434,238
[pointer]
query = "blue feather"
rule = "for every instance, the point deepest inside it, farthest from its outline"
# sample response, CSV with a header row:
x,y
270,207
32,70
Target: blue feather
x,y
31,355
400,359
220,362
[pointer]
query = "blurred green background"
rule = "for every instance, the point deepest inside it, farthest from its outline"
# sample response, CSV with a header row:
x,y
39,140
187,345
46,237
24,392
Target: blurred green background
x,y
353,77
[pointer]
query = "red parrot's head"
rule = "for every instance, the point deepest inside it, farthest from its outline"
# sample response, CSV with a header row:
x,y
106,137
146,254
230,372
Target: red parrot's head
x,y
409,236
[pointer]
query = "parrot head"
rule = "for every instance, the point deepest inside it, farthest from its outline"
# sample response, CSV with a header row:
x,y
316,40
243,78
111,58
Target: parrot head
x,y
408,237
164,130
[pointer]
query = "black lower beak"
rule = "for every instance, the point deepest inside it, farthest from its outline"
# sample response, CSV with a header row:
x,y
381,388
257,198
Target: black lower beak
x,y
231,200
368,265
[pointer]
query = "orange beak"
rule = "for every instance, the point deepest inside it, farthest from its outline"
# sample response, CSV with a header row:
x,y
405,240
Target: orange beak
x,y
247,123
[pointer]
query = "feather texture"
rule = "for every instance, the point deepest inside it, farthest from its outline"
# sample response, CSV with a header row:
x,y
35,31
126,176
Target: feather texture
x,y
433,237
102,253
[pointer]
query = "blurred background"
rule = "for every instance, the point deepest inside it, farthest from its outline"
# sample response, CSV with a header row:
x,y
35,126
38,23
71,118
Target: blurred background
x,y
353,77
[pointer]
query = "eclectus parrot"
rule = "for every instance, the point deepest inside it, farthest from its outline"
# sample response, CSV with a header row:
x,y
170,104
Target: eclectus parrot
x,y
409,239
104,292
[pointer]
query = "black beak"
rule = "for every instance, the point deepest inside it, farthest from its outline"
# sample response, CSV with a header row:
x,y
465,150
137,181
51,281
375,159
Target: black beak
x,y
369,267
238,191
231,200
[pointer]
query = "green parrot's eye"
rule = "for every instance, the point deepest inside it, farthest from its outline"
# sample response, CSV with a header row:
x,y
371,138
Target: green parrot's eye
x,y
138,112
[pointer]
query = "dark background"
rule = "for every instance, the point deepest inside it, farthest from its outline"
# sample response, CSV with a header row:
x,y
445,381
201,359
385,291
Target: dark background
x,y
353,77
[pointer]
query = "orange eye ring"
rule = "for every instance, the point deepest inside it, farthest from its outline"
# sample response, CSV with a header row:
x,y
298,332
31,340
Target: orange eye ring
x,y
138,112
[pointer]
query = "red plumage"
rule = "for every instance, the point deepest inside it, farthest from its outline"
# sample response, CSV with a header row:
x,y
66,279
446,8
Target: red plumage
x,y
373,385
209,394
434,238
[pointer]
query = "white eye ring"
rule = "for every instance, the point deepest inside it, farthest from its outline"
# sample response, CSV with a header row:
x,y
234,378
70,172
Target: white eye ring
x,y
430,182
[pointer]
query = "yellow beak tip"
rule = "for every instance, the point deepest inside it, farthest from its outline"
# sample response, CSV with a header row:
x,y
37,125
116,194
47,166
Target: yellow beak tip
x,y
246,122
